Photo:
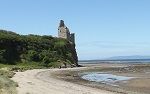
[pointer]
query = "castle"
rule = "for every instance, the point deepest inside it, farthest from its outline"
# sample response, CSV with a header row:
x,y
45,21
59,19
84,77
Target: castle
x,y
63,32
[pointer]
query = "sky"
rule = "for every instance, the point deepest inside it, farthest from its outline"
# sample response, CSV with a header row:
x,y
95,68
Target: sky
x,y
103,28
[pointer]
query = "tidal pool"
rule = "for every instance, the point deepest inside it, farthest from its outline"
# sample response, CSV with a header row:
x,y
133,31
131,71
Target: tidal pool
x,y
104,77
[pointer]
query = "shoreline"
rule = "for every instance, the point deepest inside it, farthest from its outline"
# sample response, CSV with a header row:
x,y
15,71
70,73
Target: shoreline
x,y
39,81
137,85
68,81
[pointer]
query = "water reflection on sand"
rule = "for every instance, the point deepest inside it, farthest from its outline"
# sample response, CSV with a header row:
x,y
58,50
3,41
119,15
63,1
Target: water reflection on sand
x,y
104,78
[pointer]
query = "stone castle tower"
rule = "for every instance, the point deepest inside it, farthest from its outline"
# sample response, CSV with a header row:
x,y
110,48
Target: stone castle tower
x,y
63,32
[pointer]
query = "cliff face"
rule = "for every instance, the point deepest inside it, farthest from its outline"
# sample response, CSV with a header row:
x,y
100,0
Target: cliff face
x,y
74,54
46,50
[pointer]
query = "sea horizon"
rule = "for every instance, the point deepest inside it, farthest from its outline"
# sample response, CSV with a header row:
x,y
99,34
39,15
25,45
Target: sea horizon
x,y
142,61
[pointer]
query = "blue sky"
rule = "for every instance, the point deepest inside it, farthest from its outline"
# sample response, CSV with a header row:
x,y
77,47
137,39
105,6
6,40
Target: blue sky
x,y
103,28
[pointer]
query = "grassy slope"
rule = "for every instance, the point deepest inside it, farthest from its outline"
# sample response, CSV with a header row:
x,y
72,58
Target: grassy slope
x,y
7,86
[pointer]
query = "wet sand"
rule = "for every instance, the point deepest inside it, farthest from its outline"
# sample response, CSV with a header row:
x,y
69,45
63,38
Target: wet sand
x,y
139,85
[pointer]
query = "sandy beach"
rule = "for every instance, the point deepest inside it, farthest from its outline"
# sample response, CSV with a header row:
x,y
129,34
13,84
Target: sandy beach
x,y
68,81
39,81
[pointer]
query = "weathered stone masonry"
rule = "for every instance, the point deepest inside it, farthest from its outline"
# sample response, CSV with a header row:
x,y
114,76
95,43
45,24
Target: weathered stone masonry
x,y
63,32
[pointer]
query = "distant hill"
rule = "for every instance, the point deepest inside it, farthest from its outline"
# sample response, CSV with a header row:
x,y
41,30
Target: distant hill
x,y
128,57
45,50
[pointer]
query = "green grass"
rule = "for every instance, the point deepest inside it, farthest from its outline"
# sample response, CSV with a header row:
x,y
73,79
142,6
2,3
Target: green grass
x,y
22,66
7,86
27,66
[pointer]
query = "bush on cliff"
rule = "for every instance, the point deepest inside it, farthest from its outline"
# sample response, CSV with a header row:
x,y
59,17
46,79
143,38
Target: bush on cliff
x,y
45,50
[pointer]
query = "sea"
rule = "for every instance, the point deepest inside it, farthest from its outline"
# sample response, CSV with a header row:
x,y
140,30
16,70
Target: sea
x,y
134,61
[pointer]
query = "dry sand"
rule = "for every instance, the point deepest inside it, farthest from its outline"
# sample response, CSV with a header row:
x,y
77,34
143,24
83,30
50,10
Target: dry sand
x,y
40,81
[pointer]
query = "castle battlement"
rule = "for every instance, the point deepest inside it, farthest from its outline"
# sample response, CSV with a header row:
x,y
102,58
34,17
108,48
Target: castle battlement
x,y
63,32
